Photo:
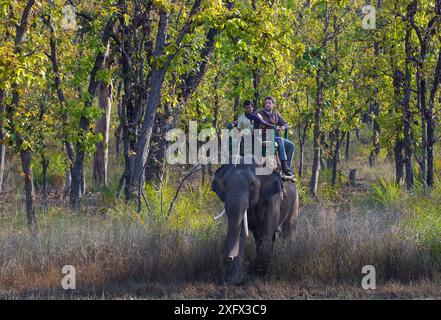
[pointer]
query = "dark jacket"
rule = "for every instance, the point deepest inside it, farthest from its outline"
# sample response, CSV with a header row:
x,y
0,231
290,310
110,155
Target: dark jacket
x,y
258,122
274,118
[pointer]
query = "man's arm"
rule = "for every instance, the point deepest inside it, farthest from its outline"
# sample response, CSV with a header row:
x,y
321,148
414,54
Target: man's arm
x,y
258,118
239,124
281,122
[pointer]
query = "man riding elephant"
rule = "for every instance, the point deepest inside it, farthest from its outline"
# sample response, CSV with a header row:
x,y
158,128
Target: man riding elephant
x,y
285,146
251,119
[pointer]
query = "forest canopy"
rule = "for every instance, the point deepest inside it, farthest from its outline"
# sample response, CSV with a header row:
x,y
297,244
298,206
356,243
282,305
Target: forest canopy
x,y
78,76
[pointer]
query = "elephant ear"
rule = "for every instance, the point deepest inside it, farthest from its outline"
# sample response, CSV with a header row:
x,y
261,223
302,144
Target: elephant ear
x,y
271,185
218,184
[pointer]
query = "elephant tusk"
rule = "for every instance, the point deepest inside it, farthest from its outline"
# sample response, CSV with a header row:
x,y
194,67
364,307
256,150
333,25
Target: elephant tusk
x,y
245,223
220,215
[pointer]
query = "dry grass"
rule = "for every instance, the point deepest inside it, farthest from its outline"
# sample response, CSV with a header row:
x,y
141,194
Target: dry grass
x,y
104,252
120,255
256,289
120,258
332,247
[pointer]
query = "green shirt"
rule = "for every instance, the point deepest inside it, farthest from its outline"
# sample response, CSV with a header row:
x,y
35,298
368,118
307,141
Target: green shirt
x,y
244,123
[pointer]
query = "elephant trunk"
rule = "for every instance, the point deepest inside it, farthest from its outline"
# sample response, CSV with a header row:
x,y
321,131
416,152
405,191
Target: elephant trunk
x,y
235,213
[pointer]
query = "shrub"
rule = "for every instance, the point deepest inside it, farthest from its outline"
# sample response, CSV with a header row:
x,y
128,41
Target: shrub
x,y
386,194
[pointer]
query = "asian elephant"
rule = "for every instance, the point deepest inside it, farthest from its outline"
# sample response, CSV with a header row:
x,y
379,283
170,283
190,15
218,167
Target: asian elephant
x,y
269,202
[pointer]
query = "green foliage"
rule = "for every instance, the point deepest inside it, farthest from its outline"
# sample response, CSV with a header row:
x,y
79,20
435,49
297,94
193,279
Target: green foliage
x,y
386,194
192,211
56,168
283,49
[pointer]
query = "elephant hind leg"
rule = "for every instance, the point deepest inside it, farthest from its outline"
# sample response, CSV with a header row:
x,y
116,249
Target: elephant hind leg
x,y
289,227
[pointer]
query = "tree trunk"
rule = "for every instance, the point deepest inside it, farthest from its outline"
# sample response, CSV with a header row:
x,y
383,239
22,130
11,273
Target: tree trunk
x,y
2,162
316,157
398,148
69,148
2,146
430,146
431,124
302,138
236,100
216,100
25,156
190,84
399,160
156,79
118,131
158,147
301,160
375,134
422,104
128,112
421,100
102,126
142,148
154,97
326,143
376,109
191,81
44,166
407,115
154,167
256,81
44,160
348,141
68,184
336,156
77,172
129,145
75,187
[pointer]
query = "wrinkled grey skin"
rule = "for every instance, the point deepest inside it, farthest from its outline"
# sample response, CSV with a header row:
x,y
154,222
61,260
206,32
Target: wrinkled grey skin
x,y
241,189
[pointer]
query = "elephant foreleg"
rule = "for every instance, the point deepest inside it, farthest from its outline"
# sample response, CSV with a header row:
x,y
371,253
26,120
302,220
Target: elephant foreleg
x,y
235,268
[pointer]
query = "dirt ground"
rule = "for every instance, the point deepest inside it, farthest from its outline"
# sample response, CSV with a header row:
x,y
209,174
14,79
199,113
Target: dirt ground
x,y
254,289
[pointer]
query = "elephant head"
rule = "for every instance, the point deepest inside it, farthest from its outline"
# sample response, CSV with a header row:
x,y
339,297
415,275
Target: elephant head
x,y
240,189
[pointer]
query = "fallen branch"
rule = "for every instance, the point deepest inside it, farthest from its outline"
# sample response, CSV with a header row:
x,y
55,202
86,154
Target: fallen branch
x,y
195,168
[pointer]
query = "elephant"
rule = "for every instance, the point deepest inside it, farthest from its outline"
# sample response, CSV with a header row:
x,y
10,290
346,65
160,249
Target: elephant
x,y
270,203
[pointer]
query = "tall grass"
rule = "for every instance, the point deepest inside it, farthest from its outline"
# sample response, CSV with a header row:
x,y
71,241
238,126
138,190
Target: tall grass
x,y
113,247
332,247
117,251
421,213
